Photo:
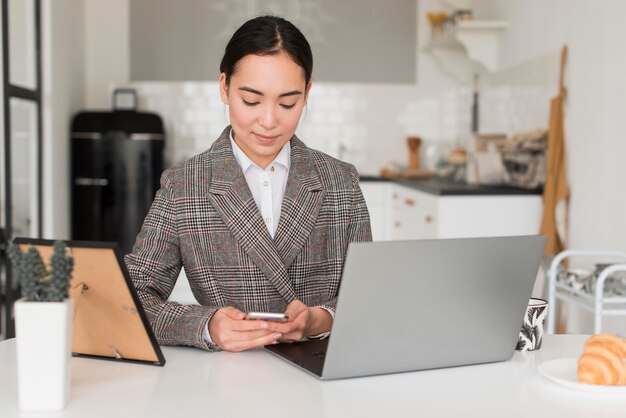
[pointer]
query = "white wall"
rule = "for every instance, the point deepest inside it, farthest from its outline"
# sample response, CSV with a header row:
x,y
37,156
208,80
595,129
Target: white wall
x,y
594,111
371,120
63,95
106,49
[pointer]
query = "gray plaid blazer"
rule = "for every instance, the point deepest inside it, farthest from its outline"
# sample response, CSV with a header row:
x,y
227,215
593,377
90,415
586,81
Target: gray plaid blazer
x,y
204,218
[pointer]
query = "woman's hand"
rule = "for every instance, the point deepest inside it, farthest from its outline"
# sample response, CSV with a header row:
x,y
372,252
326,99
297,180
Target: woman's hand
x,y
232,332
303,322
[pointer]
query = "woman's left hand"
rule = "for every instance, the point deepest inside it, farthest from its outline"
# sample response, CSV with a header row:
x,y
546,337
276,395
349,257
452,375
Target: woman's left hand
x,y
303,321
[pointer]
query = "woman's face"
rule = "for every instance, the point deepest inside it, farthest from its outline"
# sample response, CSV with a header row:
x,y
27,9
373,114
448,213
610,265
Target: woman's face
x,y
265,97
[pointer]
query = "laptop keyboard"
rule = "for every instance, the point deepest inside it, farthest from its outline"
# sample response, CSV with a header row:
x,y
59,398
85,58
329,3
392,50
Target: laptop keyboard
x,y
309,355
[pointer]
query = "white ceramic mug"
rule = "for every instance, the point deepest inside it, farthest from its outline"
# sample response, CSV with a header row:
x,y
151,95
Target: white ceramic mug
x,y
531,335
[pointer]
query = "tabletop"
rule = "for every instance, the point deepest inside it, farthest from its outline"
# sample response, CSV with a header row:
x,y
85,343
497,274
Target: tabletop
x,y
256,383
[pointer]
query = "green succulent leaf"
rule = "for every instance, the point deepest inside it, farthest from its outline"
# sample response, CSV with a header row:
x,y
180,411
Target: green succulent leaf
x,y
38,283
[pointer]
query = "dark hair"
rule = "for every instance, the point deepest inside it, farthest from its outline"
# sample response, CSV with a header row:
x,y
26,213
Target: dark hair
x,y
267,35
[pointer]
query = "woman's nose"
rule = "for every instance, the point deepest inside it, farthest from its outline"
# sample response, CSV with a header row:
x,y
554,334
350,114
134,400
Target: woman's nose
x,y
268,118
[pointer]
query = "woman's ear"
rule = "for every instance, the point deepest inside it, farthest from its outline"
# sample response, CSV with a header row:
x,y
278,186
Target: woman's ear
x,y
223,89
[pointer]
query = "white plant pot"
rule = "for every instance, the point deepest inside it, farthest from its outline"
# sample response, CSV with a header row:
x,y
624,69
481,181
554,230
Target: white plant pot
x,y
44,345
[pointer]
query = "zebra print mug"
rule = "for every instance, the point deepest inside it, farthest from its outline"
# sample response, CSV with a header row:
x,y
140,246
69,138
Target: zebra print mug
x,y
531,334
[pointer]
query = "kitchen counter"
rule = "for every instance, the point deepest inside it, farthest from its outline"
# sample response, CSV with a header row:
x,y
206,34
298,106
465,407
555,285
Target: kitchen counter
x,y
444,187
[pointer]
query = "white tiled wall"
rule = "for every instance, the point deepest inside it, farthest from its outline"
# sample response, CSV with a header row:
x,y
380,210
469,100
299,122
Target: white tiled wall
x,y
366,125
518,98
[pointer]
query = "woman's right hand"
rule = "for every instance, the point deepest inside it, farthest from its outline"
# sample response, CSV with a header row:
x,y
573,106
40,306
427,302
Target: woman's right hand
x,y
231,331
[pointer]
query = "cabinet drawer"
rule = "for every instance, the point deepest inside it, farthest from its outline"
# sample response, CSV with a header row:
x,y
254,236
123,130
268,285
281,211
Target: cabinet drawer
x,y
376,196
414,214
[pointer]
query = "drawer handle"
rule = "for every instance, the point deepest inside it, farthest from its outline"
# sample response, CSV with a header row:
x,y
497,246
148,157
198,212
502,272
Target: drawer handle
x,y
409,202
428,219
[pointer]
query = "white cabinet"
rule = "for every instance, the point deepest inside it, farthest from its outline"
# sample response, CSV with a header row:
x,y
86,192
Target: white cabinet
x,y
408,213
376,195
489,216
413,214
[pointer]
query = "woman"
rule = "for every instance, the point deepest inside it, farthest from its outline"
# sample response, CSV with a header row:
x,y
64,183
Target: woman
x,y
259,221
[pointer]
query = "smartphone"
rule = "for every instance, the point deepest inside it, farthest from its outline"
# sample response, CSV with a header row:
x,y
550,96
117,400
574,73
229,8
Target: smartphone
x,y
268,316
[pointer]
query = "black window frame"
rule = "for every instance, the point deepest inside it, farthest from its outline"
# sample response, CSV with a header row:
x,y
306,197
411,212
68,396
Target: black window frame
x,y
11,91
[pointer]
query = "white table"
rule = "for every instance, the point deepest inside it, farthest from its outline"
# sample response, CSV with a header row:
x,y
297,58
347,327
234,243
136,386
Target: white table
x,y
257,384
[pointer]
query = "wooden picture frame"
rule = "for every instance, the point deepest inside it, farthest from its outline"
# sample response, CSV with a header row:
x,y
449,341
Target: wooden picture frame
x,y
109,321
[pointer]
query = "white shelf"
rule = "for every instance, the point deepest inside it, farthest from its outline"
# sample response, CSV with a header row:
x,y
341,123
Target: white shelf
x,y
481,41
599,302
476,40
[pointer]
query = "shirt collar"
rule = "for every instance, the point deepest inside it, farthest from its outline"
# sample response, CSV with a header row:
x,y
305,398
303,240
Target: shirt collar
x,y
283,158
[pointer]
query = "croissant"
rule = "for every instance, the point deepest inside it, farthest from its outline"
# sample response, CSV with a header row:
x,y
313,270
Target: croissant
x,y
603,361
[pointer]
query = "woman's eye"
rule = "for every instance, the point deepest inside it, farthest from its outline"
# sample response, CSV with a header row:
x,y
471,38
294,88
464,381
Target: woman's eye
x,y
247,103
284,106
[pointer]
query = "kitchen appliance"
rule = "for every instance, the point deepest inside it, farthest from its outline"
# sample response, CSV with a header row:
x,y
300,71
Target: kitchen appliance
x,y
117,160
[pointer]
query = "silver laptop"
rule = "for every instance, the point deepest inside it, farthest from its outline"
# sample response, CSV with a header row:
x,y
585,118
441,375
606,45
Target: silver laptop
x,y
416,305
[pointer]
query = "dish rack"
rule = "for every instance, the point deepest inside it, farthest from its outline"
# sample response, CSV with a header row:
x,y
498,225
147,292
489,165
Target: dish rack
x,y
596,302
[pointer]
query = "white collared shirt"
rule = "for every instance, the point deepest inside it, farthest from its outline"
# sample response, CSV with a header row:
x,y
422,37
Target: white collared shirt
x,y
267,185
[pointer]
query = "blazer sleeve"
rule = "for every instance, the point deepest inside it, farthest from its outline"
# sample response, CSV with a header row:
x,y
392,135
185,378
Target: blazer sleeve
x,y
154,265
359,228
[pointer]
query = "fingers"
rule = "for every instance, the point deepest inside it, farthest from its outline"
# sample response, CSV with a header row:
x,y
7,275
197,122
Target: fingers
x,y
295,308
295,329
295,335
250,325
232,332
233,313
253,340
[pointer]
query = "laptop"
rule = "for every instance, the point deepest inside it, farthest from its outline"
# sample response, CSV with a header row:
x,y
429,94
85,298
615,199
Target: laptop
x,y
427,304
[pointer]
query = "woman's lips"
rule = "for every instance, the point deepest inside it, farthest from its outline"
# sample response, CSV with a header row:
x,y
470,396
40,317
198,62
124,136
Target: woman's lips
x,y
266,139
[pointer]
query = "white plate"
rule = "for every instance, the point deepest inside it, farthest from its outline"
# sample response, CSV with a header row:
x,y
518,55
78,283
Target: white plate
x,y
563,372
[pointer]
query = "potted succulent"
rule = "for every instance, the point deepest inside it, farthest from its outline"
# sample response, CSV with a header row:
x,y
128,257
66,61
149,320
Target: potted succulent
x,y
43,326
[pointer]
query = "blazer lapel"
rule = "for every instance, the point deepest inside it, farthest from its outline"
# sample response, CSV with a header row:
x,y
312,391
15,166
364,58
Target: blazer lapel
x,y
301,206
231,197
